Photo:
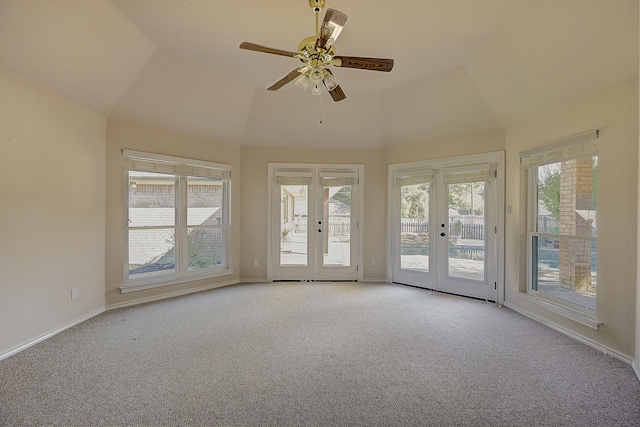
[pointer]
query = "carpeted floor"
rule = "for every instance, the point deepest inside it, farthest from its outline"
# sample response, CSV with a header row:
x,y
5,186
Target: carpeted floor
x,y
316,354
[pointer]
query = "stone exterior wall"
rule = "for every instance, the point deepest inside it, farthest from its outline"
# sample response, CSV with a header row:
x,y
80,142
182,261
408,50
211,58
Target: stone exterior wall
x,y
576,178
163,196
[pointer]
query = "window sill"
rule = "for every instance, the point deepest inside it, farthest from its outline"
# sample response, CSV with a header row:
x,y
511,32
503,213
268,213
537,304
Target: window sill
x,y
576,315
142,285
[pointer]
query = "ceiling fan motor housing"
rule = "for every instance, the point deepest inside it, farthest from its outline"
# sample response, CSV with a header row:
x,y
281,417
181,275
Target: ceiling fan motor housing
x,y
316,5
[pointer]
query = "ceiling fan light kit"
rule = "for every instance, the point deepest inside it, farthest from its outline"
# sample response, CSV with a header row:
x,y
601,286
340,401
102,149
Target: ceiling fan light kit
x,y
316,5
318,53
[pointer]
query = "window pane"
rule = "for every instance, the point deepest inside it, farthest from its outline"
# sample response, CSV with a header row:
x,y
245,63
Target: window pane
x,y
204,201
414,227
205,247
151,204
567,197
566,269
152,199
151,253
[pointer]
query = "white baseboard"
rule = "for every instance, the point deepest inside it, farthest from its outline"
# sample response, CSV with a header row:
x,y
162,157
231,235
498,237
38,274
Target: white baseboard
x,y
265,280
636,369
170,295
23,346
254,280
591,343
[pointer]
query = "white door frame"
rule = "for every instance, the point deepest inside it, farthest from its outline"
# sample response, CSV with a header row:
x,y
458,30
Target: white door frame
x,y
436,165
316,170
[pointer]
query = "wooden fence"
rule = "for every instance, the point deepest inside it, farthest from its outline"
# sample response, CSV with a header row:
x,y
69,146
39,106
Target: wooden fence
x,y
466,231
342,227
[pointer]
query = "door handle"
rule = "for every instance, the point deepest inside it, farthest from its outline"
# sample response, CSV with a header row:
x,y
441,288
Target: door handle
x,y
319,230
442,234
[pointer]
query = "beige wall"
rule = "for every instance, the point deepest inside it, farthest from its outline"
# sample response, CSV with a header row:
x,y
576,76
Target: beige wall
x,y
254,194
637,354
614,112
52,211
129,136
460,146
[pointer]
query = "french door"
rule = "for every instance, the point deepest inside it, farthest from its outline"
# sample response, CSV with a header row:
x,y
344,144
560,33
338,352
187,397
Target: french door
x,y
314,225
444,222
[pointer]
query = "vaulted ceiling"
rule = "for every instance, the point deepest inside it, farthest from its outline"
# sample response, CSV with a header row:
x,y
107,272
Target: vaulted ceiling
x,y
461,66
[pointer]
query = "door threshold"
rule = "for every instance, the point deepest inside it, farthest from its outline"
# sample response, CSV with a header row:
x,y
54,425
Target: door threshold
x,y
314,281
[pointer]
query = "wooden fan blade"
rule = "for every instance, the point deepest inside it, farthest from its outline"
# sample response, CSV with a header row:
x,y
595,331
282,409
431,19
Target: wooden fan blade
x,y
265,49
374,64
331,27
283,81
337,94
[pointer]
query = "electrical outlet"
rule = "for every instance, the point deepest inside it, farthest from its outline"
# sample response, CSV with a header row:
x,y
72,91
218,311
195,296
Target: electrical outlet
x,y
74,293
256,262
373,263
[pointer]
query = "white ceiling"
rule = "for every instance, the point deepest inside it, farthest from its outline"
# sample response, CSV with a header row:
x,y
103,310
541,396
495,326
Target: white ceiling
x,y
461,66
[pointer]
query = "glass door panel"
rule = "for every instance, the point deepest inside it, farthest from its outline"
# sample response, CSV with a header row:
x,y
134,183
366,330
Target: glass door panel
x,y
336,239
414,227
336,209
466,243
294,239
414,197
466,254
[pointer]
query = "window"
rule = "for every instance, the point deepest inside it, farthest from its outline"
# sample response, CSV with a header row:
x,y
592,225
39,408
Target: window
x,y
177,219
562,205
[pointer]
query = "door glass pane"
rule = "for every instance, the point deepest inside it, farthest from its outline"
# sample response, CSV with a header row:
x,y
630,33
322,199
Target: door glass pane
x,y
466,243
293,224
337,225
414,227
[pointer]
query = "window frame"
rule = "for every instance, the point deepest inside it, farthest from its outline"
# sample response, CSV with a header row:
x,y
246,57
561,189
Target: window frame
x,y
182,169
570,148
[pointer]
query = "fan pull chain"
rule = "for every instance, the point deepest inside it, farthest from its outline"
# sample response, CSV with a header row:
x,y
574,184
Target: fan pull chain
x,y
320,97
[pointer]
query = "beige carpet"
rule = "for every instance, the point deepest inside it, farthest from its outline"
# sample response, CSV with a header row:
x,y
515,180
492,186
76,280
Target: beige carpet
x,y
316,354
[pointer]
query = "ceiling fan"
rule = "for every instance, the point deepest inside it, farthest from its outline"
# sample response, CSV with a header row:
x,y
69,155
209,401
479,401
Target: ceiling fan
x,y
317,53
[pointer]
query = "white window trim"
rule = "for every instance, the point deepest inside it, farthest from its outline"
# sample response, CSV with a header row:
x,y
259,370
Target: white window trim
x,y
566,149
180,167
141,285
